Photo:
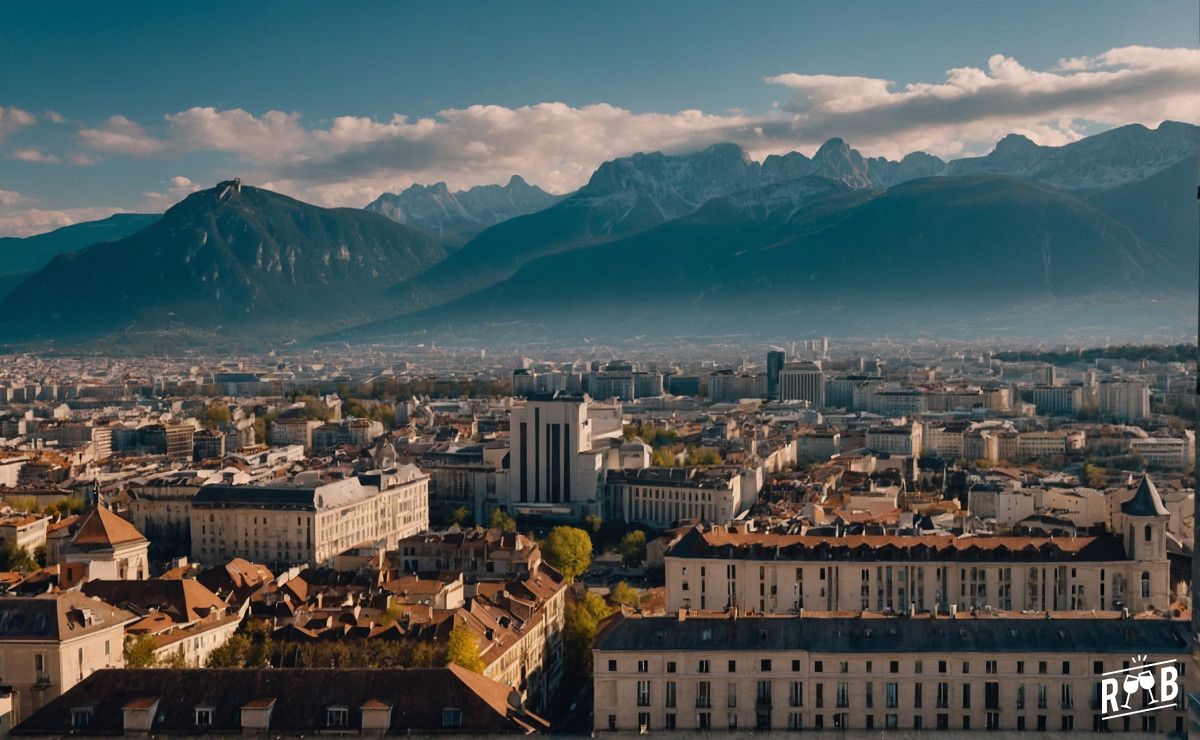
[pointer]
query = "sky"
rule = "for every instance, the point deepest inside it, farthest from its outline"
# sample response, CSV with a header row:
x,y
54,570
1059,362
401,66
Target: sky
x,y
129,106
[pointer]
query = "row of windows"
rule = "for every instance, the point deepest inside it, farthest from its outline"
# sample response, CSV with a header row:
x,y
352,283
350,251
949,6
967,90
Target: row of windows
x,y
796,721
1043,667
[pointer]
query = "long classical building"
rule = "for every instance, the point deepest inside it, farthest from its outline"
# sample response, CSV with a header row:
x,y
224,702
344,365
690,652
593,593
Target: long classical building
x,y
1014,673
310,519
659,497
721,568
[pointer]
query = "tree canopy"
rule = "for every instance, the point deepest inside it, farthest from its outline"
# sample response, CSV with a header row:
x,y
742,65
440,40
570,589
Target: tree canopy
x,y
568,550
463,649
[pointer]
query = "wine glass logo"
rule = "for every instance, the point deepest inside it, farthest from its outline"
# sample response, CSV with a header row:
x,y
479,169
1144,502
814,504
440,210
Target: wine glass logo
x,y
1130,685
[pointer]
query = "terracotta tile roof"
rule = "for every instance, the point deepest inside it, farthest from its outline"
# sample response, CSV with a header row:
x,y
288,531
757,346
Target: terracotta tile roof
x,y
103,529
56,616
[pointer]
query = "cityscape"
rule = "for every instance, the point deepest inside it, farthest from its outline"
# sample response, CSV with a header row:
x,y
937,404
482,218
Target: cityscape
x,y
599,395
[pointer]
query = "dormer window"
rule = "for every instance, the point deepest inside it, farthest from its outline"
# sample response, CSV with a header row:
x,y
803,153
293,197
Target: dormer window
x,y
81,717
204,716
451,717
337,717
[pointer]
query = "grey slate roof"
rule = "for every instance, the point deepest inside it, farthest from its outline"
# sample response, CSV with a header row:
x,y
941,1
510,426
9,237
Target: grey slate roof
x,y
1146,502
856,635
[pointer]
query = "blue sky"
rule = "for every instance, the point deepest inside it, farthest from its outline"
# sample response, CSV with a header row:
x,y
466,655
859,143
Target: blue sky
x,y
128,106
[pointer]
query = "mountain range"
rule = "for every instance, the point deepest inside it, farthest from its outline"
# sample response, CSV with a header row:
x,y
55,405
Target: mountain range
x,y
456,217
1027,239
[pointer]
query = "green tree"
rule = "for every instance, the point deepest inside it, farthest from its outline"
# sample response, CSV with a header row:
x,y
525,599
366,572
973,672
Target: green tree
x,y
39,555
175,659
502,521
633,548
594,523
568,550
18,559
460,516
463,649
623,594
579,632
139,651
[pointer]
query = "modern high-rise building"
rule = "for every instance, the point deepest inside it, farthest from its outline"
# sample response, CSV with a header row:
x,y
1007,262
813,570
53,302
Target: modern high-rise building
x,y
775,360
803,381
554,468
1123,400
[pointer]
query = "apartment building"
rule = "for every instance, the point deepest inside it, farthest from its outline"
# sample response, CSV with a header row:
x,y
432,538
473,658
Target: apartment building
x,y
26,531
802,381
310,519
49,643
717,569
962,675
659,497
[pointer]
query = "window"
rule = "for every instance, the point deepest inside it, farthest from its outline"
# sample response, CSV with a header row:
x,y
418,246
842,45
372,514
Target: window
x,y
703,694
703,667
762,696
820,695
669,695
451,717
818,666
1020,666
966,696
733,666
943,695
612,665
894,666
1068,701
704,720
81,717
796,694
843,694
941,666
1146,533
733,720
670,666
643,666
1066,671
765,665
1042,667
644,721
340,717
893,695
669,722
844,667
204,716
643,693
612,721
916,696
891,721
1021,697
991,695
989,666
731,700
1145,584
918,667
993,721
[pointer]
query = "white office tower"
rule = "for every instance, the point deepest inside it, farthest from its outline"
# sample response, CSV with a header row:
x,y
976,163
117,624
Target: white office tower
x,y
803,381
557,448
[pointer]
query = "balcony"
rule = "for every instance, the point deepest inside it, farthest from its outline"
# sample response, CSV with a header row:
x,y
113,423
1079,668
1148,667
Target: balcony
x,y
43,679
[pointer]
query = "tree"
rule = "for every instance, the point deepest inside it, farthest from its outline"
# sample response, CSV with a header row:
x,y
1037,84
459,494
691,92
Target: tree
x,y
633,548
579,632
594,523
460,516
568,550
13,558
463,649
622,594
39,555
139,651
502,521
216,415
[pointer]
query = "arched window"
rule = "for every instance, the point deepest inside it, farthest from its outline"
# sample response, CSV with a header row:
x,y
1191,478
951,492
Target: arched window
x,y
1145,585
1147,533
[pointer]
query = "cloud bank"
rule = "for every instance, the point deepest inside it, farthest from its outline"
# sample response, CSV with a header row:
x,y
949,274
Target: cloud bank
x,y
351,159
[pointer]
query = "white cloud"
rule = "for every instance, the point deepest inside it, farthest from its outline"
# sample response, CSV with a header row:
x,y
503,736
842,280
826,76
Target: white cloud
x,y
13,198
349,160
13,120
29,221
35,155
121,136
178,188
54,117
973,107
